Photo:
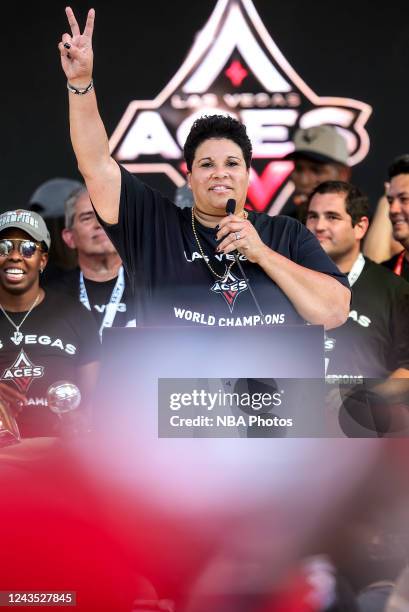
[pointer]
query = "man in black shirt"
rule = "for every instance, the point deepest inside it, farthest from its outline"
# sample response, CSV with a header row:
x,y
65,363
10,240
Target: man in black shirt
x,y
397,194
374,342
99,282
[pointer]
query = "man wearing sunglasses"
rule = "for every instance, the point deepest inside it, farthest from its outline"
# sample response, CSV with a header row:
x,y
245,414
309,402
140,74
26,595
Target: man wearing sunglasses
x,y
45,337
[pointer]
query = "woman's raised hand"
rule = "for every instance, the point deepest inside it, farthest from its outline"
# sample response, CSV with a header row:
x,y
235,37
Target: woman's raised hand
x,y
76,50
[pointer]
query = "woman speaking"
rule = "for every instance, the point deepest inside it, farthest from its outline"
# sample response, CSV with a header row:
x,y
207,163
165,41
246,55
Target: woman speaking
x,y
205,265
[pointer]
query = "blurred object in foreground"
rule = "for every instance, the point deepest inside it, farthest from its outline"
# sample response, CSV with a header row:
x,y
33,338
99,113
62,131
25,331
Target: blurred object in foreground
x,y
9,431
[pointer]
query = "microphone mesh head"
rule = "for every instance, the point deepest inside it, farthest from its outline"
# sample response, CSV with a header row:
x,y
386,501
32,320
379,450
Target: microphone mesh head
x,y
230,206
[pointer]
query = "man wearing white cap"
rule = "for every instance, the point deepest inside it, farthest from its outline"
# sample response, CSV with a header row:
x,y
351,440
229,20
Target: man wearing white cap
x,y
320,154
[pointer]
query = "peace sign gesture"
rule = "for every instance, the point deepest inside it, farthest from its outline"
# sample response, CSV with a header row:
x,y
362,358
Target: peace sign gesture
x,y
76,50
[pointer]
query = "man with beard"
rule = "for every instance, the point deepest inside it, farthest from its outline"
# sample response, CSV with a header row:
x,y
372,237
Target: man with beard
x,y
320,154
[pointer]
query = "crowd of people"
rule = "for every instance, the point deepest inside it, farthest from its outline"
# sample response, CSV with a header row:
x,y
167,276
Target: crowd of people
x,y
142,261
133,258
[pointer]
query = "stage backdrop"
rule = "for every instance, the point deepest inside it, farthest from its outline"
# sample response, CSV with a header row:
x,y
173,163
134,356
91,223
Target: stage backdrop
x,y
275,65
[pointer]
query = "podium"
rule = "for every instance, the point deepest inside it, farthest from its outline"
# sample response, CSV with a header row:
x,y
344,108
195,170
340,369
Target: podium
x,y
143,366
214,352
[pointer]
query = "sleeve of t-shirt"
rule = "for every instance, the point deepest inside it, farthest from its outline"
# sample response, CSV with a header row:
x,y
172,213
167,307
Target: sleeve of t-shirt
x,y
310,254
142,226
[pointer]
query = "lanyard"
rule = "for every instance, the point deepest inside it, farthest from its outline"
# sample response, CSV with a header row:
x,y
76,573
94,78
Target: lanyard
x,y
399,263
111,308
356,269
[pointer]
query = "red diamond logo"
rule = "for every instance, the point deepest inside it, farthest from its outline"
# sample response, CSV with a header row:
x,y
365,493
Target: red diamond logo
x,y
273,104
236,73
230,288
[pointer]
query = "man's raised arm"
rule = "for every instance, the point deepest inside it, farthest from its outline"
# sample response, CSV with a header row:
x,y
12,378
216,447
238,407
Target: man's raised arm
x,y
88,136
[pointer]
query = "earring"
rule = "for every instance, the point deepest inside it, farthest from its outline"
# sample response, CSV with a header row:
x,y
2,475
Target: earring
x,y
41,270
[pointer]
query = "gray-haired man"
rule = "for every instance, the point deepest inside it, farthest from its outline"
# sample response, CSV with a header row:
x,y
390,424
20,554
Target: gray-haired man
x,y
99,282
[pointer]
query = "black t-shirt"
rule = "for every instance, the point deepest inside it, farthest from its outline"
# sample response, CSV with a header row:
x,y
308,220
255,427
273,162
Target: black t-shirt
x,y
59,336
174,285
391,263
99,295
375,340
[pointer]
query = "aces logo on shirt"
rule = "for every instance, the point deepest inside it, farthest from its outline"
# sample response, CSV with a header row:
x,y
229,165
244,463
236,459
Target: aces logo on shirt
x,y
22,372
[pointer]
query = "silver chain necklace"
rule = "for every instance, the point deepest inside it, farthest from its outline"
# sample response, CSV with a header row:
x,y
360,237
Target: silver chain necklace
x,y
205,258
18,336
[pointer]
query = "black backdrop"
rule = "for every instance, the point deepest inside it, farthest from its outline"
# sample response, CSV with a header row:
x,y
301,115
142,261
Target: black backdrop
x,y
349,49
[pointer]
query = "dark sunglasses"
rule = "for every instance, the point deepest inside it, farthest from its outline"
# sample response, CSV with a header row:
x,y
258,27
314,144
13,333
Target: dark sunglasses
x,y
26,248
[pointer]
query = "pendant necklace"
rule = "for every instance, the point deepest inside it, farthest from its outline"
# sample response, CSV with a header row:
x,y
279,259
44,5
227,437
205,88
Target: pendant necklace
x,y
205,258
18,336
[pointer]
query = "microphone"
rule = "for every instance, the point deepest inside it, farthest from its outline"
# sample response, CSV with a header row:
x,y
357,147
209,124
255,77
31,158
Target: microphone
x,y
230,206
230,210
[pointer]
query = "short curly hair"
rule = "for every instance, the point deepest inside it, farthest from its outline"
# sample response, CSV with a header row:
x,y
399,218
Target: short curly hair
x,y
216,126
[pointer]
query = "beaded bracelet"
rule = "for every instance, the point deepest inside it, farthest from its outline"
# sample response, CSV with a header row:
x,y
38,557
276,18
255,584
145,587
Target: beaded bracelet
x,y
82,91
